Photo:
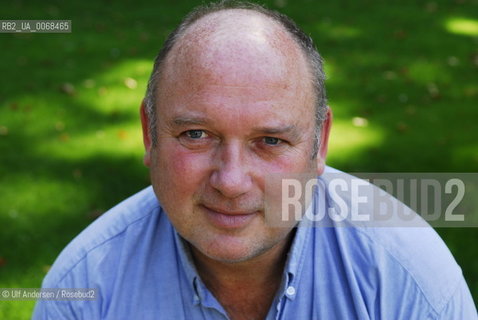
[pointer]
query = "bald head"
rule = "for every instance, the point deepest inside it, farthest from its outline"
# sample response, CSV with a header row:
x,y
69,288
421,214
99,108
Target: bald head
x,y
236,44
235,47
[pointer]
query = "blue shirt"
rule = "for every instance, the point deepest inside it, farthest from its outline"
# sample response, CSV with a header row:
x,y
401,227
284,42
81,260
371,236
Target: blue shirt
x,y
143,270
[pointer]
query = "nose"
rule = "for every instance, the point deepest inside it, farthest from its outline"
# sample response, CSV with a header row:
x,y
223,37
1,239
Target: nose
x,y
231,175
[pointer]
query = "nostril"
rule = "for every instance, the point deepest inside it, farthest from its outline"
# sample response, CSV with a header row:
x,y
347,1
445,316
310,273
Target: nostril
x,y
231,181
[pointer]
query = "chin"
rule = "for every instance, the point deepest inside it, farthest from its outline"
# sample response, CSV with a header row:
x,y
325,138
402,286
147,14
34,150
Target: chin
x,y
227,251
231,258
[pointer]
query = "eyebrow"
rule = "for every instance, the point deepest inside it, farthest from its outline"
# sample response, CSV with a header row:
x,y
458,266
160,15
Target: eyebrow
x,y
276,130
185,121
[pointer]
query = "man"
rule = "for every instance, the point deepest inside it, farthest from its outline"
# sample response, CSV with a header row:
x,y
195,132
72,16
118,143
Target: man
x,y
237,95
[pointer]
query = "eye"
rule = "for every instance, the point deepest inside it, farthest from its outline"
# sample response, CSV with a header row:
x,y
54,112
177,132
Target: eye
x,y
196,139
272,141
196,134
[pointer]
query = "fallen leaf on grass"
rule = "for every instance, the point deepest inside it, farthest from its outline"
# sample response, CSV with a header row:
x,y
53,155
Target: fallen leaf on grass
x,y
68,88
122,134
95,214
130,83
3,131
402,127
360,122
64,137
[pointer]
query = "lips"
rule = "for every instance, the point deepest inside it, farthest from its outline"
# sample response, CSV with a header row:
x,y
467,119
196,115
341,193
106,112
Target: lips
x,y
225,219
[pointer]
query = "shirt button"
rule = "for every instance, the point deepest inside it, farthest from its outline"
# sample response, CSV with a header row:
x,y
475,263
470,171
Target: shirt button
x,y
290,291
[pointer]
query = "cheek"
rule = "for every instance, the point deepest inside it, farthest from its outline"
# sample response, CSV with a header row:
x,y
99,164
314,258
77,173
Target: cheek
x,y
181,171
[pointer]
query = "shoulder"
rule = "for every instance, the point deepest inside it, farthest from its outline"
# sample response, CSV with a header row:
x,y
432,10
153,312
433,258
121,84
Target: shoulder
x,y
115,229
418,256
407,261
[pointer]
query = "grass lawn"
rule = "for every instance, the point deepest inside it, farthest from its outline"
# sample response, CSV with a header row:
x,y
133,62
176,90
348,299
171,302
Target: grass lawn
x,y
403,85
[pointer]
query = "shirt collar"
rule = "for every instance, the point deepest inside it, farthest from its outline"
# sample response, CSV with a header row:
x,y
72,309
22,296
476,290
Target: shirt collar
x,y
201,295
186,261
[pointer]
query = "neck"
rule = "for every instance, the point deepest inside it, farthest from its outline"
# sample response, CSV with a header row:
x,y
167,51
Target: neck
x,y
246,284
267,266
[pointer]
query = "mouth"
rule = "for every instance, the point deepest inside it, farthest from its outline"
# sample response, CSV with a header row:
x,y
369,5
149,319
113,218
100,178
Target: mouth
x,y
224,219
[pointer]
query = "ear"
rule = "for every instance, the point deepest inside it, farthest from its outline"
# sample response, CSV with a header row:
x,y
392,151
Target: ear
x,y
146,134
324,142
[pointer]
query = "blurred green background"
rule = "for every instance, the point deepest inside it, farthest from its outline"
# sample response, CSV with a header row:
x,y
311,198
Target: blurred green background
x,y
402,81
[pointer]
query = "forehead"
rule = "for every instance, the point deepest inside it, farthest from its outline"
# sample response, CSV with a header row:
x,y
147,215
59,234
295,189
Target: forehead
x,y
236,49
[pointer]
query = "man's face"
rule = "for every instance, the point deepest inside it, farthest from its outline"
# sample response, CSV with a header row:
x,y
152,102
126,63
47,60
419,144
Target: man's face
x,y
225,122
